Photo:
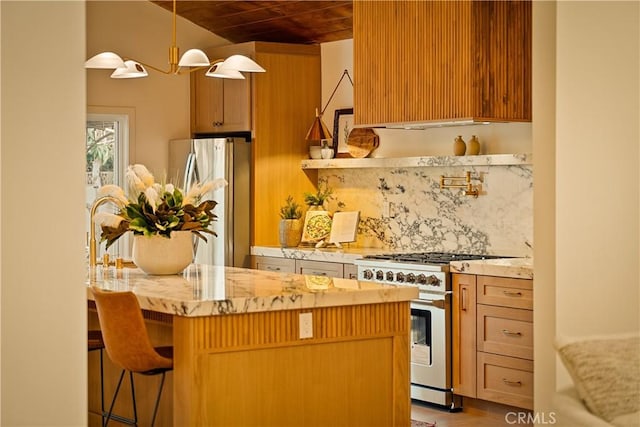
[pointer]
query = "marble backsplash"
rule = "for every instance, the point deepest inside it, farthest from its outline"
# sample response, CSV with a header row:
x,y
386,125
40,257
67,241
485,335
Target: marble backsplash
x,y
404,209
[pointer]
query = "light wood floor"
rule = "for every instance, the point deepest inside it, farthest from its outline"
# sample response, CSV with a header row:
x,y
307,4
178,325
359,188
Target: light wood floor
x,y
476,413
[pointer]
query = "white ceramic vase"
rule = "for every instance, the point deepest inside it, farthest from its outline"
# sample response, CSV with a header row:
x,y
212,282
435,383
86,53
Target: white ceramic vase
x,y
159,255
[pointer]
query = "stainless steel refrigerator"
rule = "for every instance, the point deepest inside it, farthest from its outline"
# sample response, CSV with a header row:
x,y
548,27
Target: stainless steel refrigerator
x,y
207,159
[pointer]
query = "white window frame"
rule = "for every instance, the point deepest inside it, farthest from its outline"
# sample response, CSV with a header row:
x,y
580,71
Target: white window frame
x,y
122,248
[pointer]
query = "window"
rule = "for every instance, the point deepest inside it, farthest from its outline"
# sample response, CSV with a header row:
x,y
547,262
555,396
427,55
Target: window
x,y
107,148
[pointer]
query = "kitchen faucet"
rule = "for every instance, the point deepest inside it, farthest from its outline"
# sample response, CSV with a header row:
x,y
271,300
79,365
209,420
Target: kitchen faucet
x,y
92,239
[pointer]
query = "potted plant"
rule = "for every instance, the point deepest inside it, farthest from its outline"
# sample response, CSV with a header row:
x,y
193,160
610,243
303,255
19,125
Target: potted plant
x,y
316,200
290,230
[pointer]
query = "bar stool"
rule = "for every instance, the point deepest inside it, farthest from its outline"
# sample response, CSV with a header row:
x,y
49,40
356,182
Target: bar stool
x,y
128,345
95,343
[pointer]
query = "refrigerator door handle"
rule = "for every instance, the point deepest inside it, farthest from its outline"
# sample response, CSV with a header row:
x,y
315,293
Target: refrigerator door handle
x,y
191,176
190,171
229,173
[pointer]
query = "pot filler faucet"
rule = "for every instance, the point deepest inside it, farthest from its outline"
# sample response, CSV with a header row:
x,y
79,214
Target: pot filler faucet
x,y
92,239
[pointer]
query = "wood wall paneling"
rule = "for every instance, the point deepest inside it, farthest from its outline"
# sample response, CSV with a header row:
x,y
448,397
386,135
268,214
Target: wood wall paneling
x,y
285,101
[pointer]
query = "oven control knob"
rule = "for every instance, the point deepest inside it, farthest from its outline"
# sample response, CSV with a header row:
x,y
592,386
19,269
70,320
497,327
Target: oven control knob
x,y
400,277
422,279
367,274
433,281
390,276
379,275
411,278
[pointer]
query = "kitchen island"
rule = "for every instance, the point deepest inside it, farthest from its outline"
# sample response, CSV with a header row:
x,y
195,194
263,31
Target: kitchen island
x,y
270,349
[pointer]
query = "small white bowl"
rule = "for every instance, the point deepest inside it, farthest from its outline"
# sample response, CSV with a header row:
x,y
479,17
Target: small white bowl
x,y
315,152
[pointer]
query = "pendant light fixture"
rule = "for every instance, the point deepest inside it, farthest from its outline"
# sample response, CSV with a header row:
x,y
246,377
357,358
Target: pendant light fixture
x,y
194,59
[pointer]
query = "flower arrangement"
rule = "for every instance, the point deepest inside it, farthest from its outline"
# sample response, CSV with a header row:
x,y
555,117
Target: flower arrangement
x,y
152,208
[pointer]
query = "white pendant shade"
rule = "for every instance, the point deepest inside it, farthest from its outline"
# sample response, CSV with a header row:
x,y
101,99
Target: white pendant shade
x,y
131,70
241,63
230,68
107,60
216,71
194,58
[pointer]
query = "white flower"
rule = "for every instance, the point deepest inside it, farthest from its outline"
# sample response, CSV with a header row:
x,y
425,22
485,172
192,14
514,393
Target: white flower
x,y
107,219
112,191
169,188
153,197
135,184
197,190
218,183
138,179
143,173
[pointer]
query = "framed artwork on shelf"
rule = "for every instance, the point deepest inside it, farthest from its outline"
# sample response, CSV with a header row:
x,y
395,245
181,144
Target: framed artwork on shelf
x,y
342,125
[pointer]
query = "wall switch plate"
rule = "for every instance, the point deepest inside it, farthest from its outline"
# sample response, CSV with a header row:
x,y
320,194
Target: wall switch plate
x,y
306,325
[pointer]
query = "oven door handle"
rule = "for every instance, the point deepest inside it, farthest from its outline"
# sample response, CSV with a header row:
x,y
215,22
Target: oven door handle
x,y
438,303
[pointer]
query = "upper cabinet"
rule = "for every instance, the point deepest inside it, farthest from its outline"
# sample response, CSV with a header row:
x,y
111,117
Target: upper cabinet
x,y
220,105
420,61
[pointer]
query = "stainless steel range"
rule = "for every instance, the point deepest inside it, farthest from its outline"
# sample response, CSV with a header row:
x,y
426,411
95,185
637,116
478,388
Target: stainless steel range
x,y
431,338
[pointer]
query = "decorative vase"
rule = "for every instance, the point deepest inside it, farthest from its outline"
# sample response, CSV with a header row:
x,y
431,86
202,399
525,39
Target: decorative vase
x,y
160,255
459,147
473,146
326,153
290,232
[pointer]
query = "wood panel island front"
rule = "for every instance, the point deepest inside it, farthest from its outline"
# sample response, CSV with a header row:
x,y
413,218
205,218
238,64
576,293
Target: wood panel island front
x,y
257,348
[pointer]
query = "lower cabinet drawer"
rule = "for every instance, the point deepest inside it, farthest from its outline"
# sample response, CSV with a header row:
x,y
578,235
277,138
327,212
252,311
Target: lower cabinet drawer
x,y
505,331
279,265
506,380
319,268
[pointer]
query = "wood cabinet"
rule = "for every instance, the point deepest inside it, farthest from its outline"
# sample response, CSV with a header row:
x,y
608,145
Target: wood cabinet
x,y
304,266
319,268
493,339
464,334
453,60
279,265
278,107
220,105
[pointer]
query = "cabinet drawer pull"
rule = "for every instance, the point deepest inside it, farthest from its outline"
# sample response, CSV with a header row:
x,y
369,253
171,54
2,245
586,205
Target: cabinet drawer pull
x,y
273,268
512,293
512,383
318,273
513,334
464,299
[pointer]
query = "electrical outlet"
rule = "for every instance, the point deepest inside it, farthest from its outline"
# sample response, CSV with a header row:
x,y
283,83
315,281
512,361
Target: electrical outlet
x,y
306,325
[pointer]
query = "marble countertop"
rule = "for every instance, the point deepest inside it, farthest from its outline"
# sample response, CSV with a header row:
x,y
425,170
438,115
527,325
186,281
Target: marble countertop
x,y
328,254
519,268
207,290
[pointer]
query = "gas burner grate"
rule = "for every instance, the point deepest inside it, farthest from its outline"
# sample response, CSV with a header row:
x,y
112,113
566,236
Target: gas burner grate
x,y
430,257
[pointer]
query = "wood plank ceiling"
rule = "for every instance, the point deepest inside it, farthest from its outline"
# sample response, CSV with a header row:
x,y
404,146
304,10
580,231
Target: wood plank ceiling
x,y
287,21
